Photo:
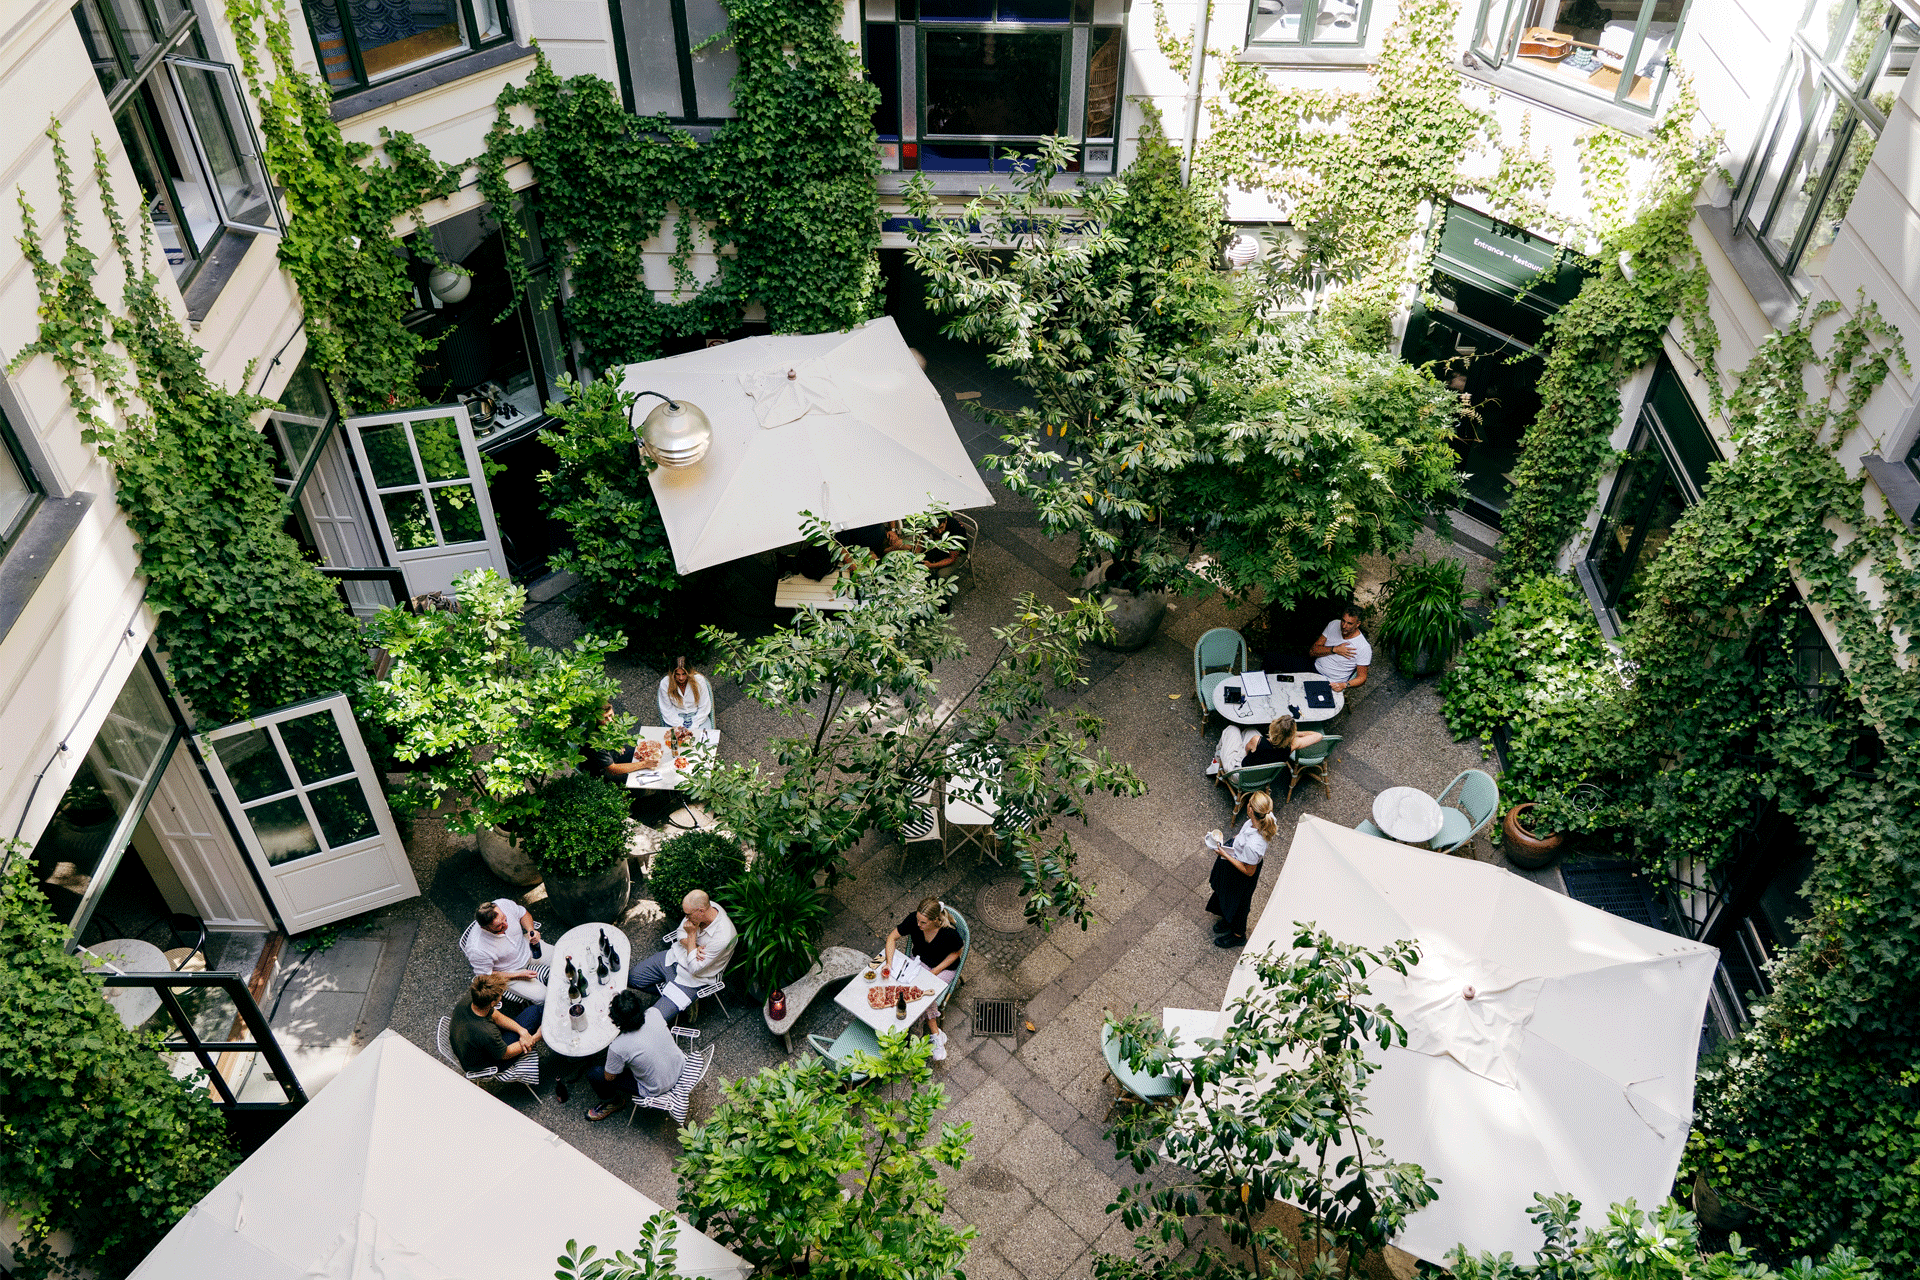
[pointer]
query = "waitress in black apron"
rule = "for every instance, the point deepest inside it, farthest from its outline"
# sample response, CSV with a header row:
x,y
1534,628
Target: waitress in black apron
x,y
1237,870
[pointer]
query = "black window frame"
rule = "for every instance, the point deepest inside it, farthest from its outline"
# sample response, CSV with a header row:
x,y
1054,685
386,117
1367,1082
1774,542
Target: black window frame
x,y
361,82
12,453
1503,50
683,48
1083,30
1791,129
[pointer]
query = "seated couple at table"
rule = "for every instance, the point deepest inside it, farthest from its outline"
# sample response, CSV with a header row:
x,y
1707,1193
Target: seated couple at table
x,y
481,1035
699,954
1340,652
929,934
643,1060
1239,749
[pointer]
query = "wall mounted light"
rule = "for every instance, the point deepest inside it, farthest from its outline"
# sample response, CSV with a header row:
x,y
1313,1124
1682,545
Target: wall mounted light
x,y
450,286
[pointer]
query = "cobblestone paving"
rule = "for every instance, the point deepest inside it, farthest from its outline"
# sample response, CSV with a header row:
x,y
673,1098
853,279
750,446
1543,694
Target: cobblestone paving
x,y
1041,1173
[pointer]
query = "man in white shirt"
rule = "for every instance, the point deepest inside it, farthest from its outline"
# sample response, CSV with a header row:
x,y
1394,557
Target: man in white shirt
x,y
699,954
1341,653
502,942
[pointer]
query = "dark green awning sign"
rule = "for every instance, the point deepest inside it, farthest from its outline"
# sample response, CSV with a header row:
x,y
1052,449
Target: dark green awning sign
x,y
1505,260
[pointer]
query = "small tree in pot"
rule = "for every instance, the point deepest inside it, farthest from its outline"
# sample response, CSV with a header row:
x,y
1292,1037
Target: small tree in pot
x,y
1424,614
481,717
580,843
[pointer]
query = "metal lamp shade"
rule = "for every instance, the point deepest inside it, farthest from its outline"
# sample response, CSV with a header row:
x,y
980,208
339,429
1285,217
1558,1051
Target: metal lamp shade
x,y
676,434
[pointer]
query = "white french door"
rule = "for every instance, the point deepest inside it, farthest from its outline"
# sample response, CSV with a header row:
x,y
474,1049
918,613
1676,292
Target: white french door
x,y
308,803
211,868
429,495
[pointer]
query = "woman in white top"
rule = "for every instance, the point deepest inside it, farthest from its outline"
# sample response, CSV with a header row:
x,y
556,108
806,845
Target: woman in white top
x,y
1237,870
686,699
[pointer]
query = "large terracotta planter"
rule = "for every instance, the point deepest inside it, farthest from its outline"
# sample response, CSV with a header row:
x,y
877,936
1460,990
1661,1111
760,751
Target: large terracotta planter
x,y
600,897
1136,614
1525,849
508,858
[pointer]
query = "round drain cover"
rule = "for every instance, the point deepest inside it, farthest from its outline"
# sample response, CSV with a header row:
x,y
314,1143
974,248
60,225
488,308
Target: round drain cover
x,y
998,906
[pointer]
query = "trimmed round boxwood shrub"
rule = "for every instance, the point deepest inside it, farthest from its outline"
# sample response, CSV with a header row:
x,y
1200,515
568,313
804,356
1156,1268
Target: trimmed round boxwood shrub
x,y
698,860
583,826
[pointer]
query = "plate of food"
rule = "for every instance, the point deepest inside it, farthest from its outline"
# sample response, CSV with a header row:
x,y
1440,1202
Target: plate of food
x,y
646,754
884,996
679,737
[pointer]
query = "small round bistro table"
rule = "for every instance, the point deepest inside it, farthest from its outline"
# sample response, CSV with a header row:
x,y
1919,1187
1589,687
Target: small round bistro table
x,y
128,955
1408,814
581,945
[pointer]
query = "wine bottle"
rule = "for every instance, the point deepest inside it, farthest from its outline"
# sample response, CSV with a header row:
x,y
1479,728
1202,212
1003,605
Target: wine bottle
x,y
900,1005
602,971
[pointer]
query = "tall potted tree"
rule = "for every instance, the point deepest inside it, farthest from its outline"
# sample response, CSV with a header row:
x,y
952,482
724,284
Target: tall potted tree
x,y
480,718
580,843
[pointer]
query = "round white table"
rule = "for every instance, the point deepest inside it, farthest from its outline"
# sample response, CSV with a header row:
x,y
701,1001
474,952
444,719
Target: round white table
x,y
1408,814
1262,711
128,955
582,946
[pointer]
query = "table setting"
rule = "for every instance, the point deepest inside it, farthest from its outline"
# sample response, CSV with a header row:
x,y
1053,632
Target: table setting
x,y
881,1012
670,762
1286,695
587,948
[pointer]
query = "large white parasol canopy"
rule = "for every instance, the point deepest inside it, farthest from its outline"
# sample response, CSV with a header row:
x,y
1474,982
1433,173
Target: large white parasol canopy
x,y
1570,1068
844,425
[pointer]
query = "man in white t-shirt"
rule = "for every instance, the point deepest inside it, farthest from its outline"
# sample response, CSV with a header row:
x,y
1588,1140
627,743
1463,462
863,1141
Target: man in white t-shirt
x,y
1341,653
502,941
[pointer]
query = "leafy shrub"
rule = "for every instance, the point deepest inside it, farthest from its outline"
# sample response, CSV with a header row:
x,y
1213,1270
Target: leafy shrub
x,y
1425,610
698,860
583,828
1542,653
101,1141
780,917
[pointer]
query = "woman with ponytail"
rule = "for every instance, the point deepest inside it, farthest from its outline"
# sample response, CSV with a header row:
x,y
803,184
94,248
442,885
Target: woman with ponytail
x,y
1237,870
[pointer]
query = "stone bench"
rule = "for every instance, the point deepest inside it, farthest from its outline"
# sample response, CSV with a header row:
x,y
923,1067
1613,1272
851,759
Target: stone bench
x,y
836,964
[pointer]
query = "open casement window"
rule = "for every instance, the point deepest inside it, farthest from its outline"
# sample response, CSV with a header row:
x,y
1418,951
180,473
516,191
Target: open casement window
x,y
315,823
1617,54
428,494
1849,60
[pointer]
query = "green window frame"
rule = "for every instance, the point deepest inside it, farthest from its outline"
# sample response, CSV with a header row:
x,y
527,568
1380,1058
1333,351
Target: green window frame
x,y
1312,23
362,46
1598,45
1848,58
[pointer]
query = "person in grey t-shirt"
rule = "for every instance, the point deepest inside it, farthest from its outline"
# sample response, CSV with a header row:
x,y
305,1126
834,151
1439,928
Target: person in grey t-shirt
x,y
643,1060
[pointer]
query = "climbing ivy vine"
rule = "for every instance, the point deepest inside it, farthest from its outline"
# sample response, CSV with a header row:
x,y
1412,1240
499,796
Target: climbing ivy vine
x,y
340,214
246,623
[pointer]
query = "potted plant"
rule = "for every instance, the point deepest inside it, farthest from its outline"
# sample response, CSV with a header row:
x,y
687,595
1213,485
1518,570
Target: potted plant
x,y
480,718
697,860
580,843
780,918
1423,614
1525,848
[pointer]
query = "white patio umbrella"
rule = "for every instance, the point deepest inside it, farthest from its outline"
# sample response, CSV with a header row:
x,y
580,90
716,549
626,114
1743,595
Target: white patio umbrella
x,y
1551,1045
844,425
404,1170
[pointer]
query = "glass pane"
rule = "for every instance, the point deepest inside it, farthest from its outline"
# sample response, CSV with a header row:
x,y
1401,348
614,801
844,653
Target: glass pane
x,y
1823,23
459,513
994,84
16,496
653,65
1277,21
957,10
296,437
389,456
1103,81
306,393
330,42
343,812
175,245
1587,46
491,15
438,440
313,743
1804,176
173,13
136,29
394,37
131,739
407,516
252,765
283,829
214,101
100,51
1035,10
1839,197
1865,26
715,66
175,153
1773,170
1894,68
1337,22
882,56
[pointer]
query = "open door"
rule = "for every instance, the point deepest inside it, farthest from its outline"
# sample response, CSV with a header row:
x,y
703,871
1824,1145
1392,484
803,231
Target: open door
x,y
429,496
311,812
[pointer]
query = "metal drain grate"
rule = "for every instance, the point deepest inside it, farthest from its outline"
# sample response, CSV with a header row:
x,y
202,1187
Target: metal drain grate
x,y
1612,887
996,1017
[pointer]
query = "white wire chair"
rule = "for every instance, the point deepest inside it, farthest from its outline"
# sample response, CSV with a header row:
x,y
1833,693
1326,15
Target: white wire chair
x,y
674,1101
524,1070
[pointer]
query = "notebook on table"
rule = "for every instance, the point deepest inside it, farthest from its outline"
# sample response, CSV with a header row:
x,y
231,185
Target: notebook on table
x,y
1319,693
1256,683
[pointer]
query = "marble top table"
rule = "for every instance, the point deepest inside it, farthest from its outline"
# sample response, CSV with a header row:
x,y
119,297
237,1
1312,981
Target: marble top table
x,y
1262,711
1191,1024
128,955
907,971
1408,814
581,944
666,778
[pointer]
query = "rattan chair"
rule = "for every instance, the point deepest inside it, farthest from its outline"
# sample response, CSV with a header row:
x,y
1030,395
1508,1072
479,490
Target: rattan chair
x,y
1313,762
524,1070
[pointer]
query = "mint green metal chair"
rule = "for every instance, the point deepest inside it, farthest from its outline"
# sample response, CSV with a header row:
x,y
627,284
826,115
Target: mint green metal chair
x,y
857,1038
1479,800
1247,779
1313,762
1146,1088
1221,653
